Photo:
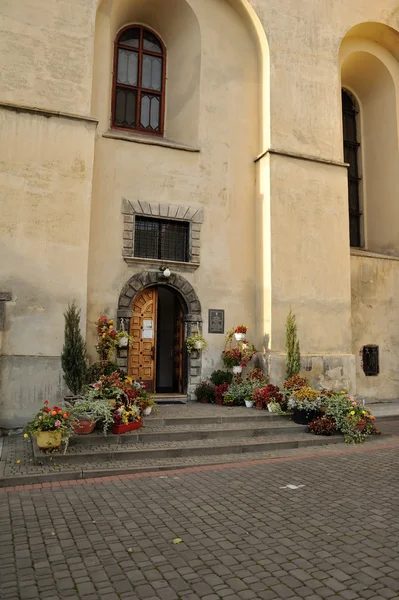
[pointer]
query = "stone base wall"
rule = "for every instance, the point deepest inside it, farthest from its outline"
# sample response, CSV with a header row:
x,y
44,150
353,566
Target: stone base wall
x,y
330,371
25,382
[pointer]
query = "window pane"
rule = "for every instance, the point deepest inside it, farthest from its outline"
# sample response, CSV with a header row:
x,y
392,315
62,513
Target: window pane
x,y
130,37
127,67
174,241
162,239
354,223
125,107
149,118
151,43
151,78
146,238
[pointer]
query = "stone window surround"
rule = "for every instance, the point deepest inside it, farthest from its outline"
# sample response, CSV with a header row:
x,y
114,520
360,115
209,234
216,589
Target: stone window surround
x,y
193,215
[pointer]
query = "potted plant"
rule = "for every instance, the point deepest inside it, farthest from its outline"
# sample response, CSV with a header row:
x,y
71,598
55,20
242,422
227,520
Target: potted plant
x,y
126,418
204,392
146,403
232,358
73,356
355,422
219,391
109,338
239,332
228,399
305,404
87,411
196,342
218,377
50,427
262,396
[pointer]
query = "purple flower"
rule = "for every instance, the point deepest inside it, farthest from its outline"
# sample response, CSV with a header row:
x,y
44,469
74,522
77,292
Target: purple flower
x,y
57,423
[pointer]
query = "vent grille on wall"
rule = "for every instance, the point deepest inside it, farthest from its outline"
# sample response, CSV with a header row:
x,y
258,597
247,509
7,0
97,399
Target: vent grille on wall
x,y
371,360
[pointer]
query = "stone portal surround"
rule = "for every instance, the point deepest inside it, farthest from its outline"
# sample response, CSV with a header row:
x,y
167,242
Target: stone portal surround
x,y
191,214
192,317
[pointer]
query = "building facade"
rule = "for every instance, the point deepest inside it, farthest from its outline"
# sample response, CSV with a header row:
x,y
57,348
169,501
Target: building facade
x,y
249,146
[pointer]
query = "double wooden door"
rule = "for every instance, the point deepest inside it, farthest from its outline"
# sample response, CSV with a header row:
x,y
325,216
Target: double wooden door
x,y
144,349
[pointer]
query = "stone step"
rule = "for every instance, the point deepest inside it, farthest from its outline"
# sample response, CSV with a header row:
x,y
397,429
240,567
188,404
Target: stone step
x,y
170,399
79,454
197,431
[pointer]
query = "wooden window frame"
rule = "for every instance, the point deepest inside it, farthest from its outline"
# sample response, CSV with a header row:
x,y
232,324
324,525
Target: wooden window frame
x,y
139,88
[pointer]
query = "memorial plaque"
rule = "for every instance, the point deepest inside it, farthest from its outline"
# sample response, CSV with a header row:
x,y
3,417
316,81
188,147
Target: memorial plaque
x,y
216,321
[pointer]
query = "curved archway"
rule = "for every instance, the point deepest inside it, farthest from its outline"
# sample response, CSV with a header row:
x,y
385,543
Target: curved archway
x,y
192,317
369,62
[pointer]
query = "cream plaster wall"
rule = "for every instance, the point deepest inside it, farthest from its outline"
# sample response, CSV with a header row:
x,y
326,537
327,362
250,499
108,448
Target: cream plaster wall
x,y
45,190
375,309
46,49
275,234
220,178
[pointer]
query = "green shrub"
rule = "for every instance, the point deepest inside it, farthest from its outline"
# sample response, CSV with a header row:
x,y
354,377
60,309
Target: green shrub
x,y
205,391
73,356
219,377
102,367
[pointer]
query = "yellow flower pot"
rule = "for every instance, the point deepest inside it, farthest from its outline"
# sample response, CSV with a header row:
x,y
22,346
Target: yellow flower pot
x,y
48,439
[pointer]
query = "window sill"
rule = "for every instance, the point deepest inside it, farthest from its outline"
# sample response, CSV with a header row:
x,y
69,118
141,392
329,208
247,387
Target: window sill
x,y
134,261
137,138
369,254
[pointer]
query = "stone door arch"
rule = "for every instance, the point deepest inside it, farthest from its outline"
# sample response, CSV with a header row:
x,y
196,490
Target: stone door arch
x,y
192,315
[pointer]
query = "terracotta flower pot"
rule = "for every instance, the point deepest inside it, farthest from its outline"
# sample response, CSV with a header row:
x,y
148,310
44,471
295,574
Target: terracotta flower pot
x,y
203,400
219,401
361,425
84,426
48,439
118,429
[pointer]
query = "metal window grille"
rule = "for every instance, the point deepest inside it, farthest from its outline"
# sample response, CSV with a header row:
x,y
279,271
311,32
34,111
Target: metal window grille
x,y
371,360
161,239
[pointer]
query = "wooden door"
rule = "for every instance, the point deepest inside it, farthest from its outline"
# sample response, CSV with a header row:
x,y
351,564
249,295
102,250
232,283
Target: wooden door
x,y
143,329
178,355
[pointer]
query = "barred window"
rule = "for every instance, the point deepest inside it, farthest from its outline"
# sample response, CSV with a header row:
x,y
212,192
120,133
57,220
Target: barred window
x,y
161,239
139,81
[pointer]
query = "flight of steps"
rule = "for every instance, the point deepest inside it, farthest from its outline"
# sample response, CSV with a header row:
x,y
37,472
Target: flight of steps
x,y
183,441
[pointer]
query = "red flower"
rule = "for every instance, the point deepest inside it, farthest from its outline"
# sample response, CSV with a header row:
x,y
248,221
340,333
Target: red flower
x,y
46,402
47,410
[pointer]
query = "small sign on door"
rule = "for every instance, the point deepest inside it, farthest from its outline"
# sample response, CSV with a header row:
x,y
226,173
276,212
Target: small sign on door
x,y
148,334
147,324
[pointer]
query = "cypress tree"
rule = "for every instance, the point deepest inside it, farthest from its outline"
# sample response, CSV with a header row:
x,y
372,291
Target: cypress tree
x,y
73,357
293,357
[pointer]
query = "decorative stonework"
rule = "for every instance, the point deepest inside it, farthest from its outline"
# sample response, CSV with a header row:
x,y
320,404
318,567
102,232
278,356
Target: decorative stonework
x,y
192,316
131,208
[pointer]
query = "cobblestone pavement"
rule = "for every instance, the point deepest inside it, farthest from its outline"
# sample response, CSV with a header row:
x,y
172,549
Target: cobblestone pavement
x,y
246,532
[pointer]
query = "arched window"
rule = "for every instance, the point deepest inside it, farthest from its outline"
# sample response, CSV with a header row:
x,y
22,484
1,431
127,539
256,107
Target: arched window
x,y
139,81
351,156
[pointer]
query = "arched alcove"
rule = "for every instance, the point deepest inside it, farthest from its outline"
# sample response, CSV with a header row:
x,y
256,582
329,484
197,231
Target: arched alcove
x,y
370,71
177,25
